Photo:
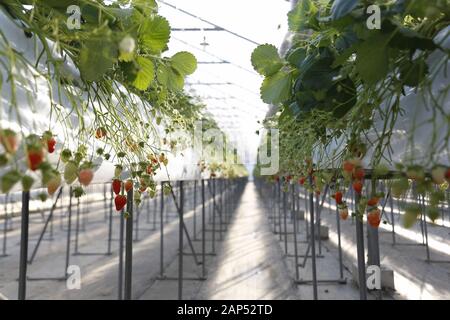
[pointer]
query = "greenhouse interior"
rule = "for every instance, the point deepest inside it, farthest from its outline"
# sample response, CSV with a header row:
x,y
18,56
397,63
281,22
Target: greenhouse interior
x,y
225,150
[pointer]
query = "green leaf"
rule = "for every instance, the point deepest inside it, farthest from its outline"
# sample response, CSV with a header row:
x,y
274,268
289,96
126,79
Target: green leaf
x,y
184,62
372,59
276,88
147,6
265,60
301,17
9,179
145,75
296,57
155,34
96,58
170,78
341,8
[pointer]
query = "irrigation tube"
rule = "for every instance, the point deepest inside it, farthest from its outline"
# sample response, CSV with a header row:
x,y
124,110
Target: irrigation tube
x,y
24,245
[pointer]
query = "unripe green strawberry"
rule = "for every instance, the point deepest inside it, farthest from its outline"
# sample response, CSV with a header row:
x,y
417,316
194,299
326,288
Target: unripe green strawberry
x,y
118,171
167,189
66,155
438,174
433,213
9,179
27,183
54,183
412,212
415,173
71,172
399,187
4,159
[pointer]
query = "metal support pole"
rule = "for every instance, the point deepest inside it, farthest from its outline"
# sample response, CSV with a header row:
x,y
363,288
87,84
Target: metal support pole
x,y
161,235
121,236
360,251
110,222
338,224
129,246
203,230
313,240
5,227
24,245
180,243
69,229
285,223
214,216
294,213
193,208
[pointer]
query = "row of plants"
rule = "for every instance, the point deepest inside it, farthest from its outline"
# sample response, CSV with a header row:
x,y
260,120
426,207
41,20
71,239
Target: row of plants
x,y
340,90
120,102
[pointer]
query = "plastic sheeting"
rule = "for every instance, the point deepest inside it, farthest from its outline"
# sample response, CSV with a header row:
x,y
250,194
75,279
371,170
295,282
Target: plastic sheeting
x,y
35,98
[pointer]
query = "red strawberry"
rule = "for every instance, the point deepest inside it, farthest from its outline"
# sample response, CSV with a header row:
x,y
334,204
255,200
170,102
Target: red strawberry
x,y
34,158
120,201
374,217
338,197
373,202
51,145
357,186
447,175
100,133
8,139
359,173
116,185
348,166
85,176
149,169
128,185
302,180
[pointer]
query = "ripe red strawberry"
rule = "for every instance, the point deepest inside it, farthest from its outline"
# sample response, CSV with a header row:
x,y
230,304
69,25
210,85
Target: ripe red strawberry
x,y
348,166
120,201
302,180
447,175
8,139
149,169
288,178
128,185
357,186
359,173
100,133
51,143
85,176
34,158
116,186
373,202
374,218
343,213
338,197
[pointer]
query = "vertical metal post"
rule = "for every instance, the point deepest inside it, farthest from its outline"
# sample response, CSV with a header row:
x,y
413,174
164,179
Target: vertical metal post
x,y
360,250
69,229
161,235
214,216
285,223
313,239
5,226
338,224
122,230
110,226
194,209
279,210
24,245
203,230
77,228
391,204
180,244
129,246
294,213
